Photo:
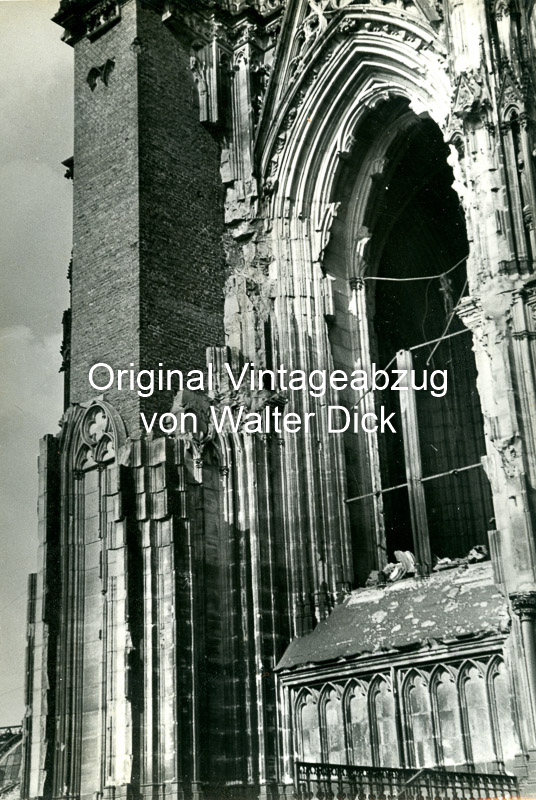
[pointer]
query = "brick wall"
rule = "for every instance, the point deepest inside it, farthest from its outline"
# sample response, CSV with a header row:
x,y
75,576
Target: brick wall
x,y
148,214
181,209
105,290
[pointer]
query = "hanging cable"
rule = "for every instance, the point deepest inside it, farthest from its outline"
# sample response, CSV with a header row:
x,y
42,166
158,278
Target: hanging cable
x,y
447,326
419,278
10,691
18,597
423,323
443,335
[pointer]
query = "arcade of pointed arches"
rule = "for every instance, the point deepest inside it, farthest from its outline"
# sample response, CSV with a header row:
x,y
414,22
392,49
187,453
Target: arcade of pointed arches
x,y
459,715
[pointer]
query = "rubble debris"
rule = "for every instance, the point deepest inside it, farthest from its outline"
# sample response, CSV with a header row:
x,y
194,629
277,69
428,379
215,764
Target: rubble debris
x,y
406,566
477,553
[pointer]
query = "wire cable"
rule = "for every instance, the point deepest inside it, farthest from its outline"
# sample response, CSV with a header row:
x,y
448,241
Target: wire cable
x,y
419,278
447,326
15,599
10,691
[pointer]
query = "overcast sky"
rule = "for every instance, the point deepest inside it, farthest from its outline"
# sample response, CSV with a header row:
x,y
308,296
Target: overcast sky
x,y
35,243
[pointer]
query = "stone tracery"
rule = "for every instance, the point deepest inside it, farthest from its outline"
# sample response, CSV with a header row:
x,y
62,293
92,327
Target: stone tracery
x,y
209,555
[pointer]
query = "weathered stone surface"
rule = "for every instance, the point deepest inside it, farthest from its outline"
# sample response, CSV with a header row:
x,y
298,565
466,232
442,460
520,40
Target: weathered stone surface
x,y
415,613
243,175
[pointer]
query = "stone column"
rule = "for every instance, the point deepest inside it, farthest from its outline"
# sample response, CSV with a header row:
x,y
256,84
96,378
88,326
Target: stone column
x,y
524,605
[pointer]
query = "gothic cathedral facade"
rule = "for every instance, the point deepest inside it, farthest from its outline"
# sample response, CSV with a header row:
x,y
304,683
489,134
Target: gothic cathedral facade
x,y
325,185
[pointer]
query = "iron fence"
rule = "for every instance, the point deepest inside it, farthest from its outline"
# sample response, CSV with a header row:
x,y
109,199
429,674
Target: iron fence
x,y
345,782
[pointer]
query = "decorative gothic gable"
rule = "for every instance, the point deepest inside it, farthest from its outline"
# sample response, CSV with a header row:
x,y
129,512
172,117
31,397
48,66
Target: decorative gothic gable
x,y
471,96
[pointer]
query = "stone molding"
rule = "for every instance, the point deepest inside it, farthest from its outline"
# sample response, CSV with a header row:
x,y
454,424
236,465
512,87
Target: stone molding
x,y
524,605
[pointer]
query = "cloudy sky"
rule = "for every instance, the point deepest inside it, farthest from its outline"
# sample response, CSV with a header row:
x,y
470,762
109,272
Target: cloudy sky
x,y
35,243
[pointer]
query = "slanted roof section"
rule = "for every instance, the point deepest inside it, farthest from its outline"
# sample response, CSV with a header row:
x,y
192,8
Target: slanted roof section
x,y
448,606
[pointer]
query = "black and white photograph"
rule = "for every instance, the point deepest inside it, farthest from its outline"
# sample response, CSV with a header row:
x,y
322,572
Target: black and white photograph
x,y
268,399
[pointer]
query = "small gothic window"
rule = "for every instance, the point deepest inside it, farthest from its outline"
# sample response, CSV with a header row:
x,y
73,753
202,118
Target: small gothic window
x,y
310,730
358,723
336,753
448,721
477,719
506,731
385,738
420,723
522,168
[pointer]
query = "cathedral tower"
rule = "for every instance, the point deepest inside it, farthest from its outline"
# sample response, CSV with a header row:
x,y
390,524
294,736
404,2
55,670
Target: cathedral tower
x,y
148,259
323,185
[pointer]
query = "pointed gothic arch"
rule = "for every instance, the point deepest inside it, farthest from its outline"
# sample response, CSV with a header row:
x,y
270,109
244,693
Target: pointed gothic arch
x,y
96,573
332,724
358,727
382,712
420,738
475,711
399,228
307,729
505,724
336,143
362,63
446,716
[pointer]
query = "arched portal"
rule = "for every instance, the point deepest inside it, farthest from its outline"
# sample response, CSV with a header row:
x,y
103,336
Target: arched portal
x,y
398,254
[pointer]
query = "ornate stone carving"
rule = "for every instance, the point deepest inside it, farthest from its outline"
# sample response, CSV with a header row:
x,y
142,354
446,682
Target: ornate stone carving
x,y
199,71
510,455
259,73
188,402
97,438
101,435
395,29
268,6
529,295
524,605
276,306
263,6
501,8
349,25
471,97
510,94
318,9
101,17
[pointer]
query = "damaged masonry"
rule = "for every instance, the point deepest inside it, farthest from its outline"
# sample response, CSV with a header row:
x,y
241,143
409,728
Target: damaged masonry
x,y
325,185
